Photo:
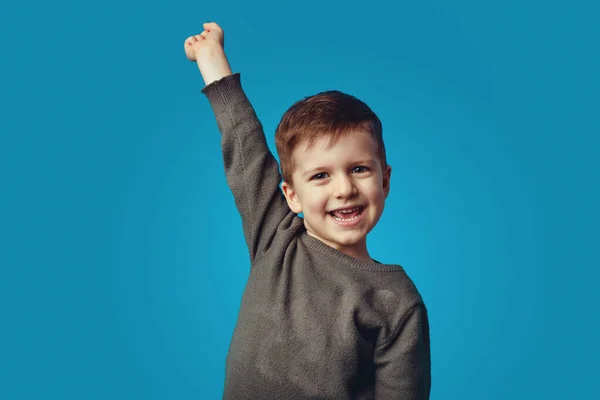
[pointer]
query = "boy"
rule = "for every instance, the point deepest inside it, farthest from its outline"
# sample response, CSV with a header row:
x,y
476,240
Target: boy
x,y
319,318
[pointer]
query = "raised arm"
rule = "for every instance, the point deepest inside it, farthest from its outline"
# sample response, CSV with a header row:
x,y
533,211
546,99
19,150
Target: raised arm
x,y
251,170
208,51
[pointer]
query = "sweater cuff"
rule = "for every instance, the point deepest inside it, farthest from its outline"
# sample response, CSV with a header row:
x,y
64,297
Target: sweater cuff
x,y
224,93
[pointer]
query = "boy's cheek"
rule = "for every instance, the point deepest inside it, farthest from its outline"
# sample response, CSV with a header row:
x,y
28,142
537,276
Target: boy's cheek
x,y
318,208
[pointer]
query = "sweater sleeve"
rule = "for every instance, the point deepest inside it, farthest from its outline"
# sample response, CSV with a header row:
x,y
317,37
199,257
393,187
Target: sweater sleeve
x,y
251,170
403,362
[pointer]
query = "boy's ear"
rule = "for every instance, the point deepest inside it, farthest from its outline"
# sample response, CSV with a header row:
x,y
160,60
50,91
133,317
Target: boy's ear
x,y
387,174
292,197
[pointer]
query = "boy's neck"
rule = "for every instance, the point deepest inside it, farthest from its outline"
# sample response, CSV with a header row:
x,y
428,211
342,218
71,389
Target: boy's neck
x,y
358,251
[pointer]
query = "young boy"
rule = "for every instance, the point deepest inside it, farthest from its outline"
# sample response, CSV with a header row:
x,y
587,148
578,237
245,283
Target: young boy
x,y
319,318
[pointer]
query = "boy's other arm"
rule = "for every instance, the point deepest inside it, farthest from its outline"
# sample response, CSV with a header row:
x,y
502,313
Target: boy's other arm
x,y
252,171
403,363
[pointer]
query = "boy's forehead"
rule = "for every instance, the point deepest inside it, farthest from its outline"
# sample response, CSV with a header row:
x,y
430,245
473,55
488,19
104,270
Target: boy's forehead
x,y
356,139
353,147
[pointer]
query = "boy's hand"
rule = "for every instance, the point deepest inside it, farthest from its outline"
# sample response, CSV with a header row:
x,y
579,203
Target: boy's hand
x,y
207,50
210,39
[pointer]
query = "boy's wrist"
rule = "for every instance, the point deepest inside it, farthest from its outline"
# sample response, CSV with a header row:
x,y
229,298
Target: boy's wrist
x,y
213,64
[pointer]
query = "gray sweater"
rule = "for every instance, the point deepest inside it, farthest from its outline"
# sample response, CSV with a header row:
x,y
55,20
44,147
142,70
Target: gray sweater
x,y
314,323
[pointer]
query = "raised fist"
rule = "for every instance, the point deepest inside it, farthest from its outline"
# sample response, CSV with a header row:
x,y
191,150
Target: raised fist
x,y
211,38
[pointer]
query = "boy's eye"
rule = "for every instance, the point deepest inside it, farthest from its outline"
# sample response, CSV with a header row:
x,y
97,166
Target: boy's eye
x,y
359,169
320,175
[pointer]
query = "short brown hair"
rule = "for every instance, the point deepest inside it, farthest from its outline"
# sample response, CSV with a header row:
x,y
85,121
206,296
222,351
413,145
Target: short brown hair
x,y
333,114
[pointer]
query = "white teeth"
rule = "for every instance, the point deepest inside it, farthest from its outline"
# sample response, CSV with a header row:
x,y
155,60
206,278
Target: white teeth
x,y
347,212
345,219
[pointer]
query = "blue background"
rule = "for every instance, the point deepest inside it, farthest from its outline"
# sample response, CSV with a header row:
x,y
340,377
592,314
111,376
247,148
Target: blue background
x,y
123,261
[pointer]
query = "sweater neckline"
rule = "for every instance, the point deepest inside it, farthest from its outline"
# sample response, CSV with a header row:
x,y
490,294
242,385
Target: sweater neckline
x,y
329,251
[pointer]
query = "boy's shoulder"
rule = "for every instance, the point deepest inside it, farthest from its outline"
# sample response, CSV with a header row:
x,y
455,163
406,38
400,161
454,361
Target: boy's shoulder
x,y
389,280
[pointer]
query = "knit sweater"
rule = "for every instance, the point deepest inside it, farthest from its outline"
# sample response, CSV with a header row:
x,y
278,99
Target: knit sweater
x,y
314,323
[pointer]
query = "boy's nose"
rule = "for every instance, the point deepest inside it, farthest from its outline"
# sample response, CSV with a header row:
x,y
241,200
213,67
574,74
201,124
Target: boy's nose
x,y
343,187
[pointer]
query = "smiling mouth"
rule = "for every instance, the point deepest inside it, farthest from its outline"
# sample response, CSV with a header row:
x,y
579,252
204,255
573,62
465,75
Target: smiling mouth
x,y
347,214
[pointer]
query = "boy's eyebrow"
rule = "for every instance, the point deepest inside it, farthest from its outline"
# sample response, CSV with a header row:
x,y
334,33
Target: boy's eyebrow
x,y
366,161
313,171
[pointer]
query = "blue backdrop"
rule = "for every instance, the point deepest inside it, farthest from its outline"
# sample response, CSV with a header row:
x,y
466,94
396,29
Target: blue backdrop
x,y
122,257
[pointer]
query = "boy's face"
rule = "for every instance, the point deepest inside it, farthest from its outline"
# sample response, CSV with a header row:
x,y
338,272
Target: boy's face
x,y
340,189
